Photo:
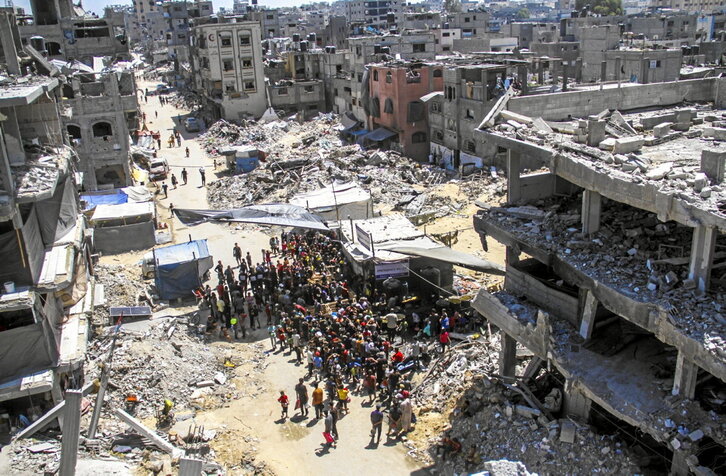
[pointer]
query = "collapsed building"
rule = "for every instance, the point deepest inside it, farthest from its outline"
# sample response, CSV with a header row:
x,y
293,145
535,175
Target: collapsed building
x,y
48,285
614,260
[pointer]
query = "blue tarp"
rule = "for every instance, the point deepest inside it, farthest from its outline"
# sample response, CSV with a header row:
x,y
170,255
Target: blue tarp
x,y
360,132
380,134
117,197
247,164
179,268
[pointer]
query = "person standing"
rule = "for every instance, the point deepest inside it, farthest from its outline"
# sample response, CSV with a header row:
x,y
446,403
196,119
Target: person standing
x,y
237,253
302,395
248,258
186,151
284,403
334,414
201,174
376,424
318,401
406,413
165,188
184,176
174,181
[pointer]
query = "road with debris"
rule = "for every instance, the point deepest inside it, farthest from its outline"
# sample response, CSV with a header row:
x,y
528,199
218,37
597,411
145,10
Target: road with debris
x,y
247,426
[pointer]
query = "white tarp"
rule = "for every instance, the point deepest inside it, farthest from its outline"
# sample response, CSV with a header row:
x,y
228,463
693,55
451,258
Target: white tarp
x,y
123,210
349,199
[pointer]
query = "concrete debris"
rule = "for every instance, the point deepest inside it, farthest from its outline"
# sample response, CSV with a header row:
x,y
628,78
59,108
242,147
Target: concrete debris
x,y
461,398
309,156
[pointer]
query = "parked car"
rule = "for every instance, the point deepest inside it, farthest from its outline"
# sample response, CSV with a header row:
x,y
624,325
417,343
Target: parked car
x,y
191,124
158,169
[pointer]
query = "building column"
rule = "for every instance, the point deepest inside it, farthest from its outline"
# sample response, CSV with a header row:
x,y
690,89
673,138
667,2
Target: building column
x,y
514,166
508,356
71,432
13,142
587,317
8,43
684,382
540,72
522,74
576,403
702,251
591,208
617,70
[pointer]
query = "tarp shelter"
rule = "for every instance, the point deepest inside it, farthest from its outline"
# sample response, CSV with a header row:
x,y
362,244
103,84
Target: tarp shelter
x,y
179,268
337,201
123,227
116,196
380,134
280,214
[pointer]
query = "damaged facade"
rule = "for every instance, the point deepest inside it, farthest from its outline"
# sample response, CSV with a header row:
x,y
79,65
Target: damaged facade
x,y
49,290
613,259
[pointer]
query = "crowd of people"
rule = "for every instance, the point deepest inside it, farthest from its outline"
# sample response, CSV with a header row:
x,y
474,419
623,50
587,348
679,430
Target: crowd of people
x,y
352,340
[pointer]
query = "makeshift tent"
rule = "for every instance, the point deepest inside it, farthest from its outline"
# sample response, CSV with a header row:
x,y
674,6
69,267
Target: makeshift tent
x,y
280,214
124,213
59,213
115,197
337,201
179,268
123,227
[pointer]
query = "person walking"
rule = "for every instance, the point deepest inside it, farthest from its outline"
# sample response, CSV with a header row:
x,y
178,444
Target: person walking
x,y
174,181
334,414
201,174
165,188
302,396
186,151
327,434
376,424
444,340
184,176
406,413
284,403
318,401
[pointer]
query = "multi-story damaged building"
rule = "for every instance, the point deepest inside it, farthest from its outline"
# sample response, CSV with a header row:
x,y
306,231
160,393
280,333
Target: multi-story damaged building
x,y
227,67
614,263
63,30
48,285
177,15
102,113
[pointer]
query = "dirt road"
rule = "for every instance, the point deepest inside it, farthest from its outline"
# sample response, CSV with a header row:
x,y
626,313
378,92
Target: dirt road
x,y
292,447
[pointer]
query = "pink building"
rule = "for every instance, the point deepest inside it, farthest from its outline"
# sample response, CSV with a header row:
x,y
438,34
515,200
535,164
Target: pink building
x,y
397,117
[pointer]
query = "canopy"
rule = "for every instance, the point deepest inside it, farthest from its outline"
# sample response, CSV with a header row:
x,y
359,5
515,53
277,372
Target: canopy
x,y
281,214
448,255
380,134
348,121
181,252
337,200
360,132
114,198
432,95
124,210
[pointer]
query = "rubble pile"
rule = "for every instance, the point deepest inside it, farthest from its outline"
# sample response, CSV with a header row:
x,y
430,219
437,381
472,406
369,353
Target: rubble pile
x,y
625,255
302,158
185,370
461,398
123,286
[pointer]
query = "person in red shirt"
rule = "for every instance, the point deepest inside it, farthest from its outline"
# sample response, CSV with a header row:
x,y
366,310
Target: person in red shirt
x,y
444,340
284,403
397,356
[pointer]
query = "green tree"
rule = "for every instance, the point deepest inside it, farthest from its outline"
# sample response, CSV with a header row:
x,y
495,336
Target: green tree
x,y
523,13
601,7
452,6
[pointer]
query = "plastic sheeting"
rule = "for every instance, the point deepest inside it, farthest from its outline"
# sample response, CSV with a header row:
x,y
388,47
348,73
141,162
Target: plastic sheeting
x,y
448,255
23,351
125,211
123,238
58,214
280,214
380,134
93,200
179,268
337,201
22,252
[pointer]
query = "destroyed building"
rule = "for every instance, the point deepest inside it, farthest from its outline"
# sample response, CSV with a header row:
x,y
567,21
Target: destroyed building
x,y
64,30
227,67
48,286
103,112
614,260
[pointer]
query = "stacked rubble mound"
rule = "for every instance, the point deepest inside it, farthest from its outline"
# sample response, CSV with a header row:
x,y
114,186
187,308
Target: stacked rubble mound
x,y
123,286
306,157
462,399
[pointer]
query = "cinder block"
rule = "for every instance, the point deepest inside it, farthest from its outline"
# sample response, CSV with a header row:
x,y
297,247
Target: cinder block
x,y
626,145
